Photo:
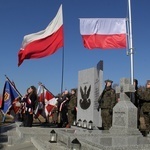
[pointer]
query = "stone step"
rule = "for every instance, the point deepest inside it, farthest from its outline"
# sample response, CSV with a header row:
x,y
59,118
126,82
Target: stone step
x,y
3,138
22,146
44,144
6,127
14,138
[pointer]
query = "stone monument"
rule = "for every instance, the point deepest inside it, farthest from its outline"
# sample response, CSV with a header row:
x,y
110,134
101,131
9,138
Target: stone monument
x,y
89,89
124,112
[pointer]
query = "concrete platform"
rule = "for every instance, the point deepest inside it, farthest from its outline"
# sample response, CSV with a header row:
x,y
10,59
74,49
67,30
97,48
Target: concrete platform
x,y
38,138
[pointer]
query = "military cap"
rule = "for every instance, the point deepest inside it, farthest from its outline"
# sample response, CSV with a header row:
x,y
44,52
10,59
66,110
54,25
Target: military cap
x,y
108,81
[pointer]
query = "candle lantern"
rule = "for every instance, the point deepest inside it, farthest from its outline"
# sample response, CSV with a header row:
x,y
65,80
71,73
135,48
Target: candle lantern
x,y
53,137
84,124
90,125
74,123
75,145
79,123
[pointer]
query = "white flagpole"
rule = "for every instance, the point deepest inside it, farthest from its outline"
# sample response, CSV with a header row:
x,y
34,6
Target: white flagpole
x,y
131,43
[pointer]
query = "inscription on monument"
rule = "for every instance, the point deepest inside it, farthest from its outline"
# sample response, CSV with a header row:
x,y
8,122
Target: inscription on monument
x,y
96,93
119,118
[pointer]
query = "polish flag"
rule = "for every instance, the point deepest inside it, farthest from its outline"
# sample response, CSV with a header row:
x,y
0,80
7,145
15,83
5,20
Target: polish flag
x,y
104,33
45,42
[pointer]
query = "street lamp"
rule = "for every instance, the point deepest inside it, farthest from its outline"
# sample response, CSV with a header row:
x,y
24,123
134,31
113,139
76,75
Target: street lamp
x,y
75,144
53,137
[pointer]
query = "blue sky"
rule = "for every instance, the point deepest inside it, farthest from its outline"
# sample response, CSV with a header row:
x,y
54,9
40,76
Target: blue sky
x,y
22,17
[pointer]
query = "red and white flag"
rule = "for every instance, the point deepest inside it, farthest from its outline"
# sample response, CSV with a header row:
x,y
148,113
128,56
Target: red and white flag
x,y
48,99
104,33
45,42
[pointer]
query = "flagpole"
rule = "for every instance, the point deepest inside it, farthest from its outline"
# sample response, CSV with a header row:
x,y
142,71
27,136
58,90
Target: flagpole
x,y
62,76
13,86
45,88
131,43
62,73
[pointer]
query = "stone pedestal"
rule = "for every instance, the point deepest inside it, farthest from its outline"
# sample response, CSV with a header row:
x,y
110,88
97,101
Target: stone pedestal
x,y
124,112
89,89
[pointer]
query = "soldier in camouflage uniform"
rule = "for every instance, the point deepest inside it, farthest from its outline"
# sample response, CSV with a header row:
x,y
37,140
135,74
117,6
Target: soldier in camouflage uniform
x,y
72,108
107,101
145,109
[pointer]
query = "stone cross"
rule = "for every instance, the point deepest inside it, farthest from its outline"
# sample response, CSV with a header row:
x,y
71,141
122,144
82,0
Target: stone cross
x,y
125,89
125,112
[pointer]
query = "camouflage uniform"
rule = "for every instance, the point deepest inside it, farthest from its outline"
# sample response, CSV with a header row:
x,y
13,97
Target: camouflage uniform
x,y
107,101
145,108
72,109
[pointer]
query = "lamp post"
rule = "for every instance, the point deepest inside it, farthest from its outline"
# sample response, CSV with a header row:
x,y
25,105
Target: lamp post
x,y
84,124
75,144
53,137
90,125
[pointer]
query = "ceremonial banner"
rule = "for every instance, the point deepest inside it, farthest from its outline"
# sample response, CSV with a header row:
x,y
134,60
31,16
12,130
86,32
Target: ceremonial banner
x,y
46,98
9,98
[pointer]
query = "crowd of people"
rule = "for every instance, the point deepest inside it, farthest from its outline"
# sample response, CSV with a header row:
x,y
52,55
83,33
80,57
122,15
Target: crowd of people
x,y
62,114
65,111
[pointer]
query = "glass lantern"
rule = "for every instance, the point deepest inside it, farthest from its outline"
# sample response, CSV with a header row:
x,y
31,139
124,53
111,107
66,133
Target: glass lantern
x,y
53,137
84,125
90,125
75,145
79,123
74,123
